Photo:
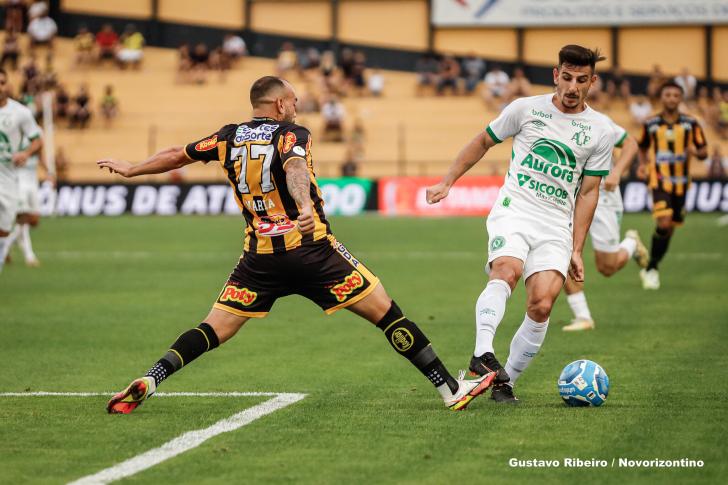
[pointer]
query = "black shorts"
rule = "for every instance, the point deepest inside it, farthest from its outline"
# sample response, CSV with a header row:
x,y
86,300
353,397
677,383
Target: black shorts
x,y
667,204
324,272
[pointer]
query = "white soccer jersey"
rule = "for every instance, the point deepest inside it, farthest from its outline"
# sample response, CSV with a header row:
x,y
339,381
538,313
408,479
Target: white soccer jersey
x,y
552,152
16,123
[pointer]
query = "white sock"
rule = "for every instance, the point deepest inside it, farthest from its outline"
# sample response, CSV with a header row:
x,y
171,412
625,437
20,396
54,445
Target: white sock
x,y
524,346
445,392
629,245
25,244
578,305
3,252
489,310
11,238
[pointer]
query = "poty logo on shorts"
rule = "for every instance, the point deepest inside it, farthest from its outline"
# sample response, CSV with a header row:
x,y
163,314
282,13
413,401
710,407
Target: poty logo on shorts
x,y
243,296
352,282
402,339
259,133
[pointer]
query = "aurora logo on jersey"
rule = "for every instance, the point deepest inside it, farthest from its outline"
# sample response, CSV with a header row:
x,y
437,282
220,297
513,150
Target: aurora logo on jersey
x,y
551,157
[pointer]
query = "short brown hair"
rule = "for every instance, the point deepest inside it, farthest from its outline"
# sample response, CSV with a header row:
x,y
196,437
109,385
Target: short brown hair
x,y
262,87
576,55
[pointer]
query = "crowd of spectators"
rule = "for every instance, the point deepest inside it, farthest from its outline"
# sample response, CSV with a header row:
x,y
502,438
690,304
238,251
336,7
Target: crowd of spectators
x,y
196,61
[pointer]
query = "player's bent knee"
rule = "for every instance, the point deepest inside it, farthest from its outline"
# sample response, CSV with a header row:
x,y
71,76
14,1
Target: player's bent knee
x,y
225,324
540,309
508,270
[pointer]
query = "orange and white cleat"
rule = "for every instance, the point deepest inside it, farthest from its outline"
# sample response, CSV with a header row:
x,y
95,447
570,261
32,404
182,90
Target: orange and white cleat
x,y
469,389
133,396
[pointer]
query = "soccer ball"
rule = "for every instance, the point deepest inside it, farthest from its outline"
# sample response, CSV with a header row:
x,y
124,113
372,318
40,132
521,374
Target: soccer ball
x,y
583,383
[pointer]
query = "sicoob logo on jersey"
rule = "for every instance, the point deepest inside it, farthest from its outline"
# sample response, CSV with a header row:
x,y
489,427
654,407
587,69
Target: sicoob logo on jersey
x,y
243,296
352,282
207,144
275,225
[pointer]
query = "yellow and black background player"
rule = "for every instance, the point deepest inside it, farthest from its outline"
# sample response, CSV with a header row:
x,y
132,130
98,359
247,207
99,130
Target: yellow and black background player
x,y
288,249
667,143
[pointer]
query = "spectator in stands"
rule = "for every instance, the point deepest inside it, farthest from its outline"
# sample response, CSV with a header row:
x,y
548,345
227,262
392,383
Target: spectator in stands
x,y
48,79
346,63
62,102
426,73
520,86
473,70
30,72
328,70
333,114
14,12
448,75
42,30
287,59
688,82
618,85
11,50
358,82
309,59
717,164
184,64
495,89
29,96
37,10
640,108
200,57
597,94
131,52
233,49
107,43
109,106
707,107
354,150
80,113
84,43
375,83
657,79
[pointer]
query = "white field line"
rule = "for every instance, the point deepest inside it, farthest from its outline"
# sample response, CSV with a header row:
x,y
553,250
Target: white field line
x,y
182,443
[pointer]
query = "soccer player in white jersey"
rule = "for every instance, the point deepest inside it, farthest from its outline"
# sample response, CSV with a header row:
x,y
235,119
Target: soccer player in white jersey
x,y
610,255
561,150
28,209
16,122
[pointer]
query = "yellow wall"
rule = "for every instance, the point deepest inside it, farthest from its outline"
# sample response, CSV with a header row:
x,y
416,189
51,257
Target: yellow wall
x,y
671,47
720,53
541,46
394,23
492,43
227,13
299,19
114,8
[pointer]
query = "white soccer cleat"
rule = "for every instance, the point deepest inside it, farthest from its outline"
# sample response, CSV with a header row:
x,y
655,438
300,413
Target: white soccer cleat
x,y
578,324
641,255
469,389
650,279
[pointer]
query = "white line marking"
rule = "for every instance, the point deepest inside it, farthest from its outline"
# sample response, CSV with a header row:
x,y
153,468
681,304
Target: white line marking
x,y
182,443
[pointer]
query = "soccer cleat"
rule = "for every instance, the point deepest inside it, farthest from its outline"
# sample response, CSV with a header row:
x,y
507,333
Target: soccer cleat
x,y
503,393
579,323
32,263
133,396
641,255
650,279
479,366
469,389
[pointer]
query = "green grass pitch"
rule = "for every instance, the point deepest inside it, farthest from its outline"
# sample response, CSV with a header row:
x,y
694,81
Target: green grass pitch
x,y
113,293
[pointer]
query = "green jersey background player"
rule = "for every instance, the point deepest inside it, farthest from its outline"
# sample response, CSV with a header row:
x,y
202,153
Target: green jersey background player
x,y
537,228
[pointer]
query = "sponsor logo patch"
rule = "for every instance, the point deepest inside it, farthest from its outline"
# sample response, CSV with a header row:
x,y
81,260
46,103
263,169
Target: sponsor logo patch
x,y
207,144
289,141
243,296
402,339
346,254
299,151
259,133
352,282
275,225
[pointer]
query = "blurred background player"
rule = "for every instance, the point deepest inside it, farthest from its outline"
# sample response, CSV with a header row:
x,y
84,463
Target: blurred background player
x,y
610,255
16,123
288,249
667,142
561,150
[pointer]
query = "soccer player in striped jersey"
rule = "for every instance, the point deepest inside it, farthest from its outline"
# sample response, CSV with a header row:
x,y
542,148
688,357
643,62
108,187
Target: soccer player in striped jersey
x,y
289,247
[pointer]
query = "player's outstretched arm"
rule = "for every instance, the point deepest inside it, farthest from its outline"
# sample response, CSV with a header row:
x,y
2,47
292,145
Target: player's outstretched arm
x,y
164,161
586,203
298,182
468,156
625,160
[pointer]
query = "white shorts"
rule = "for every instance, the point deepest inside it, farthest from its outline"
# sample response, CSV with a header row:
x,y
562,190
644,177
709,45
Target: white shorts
x,y
8,207
28,200
605,227
540,244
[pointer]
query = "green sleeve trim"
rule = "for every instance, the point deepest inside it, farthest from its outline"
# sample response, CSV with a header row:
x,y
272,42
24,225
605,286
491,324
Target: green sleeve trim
x,y
596,173
621,140
492,135
32,138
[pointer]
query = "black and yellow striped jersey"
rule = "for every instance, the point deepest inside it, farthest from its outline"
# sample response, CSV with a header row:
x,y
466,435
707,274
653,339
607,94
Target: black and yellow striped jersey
x,y
670,155
253,155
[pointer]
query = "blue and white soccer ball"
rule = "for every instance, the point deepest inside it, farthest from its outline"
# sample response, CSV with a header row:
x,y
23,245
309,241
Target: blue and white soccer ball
x,y
583,383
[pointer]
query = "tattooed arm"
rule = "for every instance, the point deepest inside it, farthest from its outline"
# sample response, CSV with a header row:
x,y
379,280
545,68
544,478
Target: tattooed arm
x,y
299,186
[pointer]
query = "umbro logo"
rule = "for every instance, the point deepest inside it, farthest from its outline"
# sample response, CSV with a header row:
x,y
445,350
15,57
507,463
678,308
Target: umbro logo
x,y
523,178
